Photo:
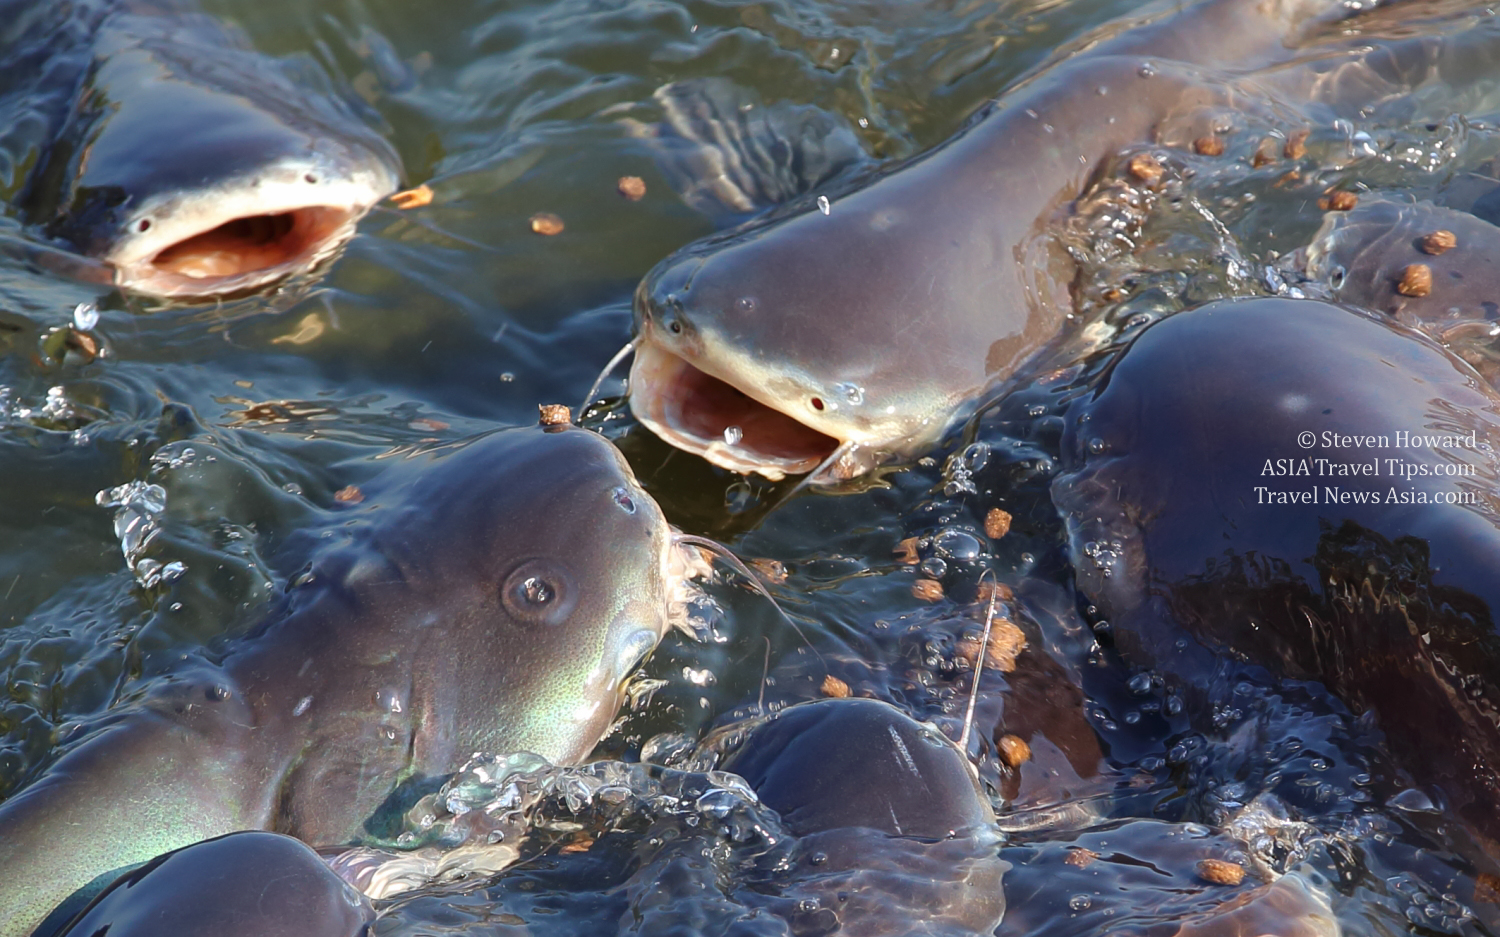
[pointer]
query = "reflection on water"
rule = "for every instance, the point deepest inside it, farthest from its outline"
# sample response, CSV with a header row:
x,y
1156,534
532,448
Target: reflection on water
x,y
214,433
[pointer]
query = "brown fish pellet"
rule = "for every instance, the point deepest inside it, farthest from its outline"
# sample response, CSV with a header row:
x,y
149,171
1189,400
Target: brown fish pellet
x,y
928,590
1221,872
1005,645
349,494
834,687
1265,153
999,591
1439,242
554,414
632,187
1296,144
772,571
1487,888
1210,145
1013,750
546,223
413,198
1145,167
996,523
1080,858
906,552
1416,280
1338,200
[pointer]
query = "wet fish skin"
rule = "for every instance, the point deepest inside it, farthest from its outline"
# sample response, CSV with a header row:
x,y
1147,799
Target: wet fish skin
x,y
1389,604
904,292
174,127
248,884
1368,250
896,836
492,597
874,315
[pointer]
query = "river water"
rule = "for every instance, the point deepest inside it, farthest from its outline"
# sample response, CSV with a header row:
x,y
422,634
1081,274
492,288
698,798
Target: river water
x,y
442,321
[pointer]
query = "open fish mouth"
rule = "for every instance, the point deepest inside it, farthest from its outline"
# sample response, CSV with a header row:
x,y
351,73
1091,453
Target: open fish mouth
x,y
221,243
709,417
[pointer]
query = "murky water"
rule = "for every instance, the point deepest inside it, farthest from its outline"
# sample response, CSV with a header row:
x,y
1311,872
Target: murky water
x,y
449,319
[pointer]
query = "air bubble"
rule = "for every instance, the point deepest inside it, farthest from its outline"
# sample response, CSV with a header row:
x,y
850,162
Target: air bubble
x,y
733,435
85,316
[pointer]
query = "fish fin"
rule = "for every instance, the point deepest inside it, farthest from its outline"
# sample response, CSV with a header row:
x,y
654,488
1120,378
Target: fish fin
x,y
730,156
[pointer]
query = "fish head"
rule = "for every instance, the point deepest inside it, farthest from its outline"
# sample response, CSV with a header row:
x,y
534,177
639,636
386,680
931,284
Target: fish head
x,y
197,168
770,350
544,574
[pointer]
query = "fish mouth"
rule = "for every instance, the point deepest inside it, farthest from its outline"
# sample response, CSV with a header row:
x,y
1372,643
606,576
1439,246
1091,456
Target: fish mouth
x,y
224,243
702,414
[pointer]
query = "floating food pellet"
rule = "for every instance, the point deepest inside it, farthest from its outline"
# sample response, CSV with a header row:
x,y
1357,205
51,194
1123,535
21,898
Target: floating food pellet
x,y
1416,280
928,590
1438,242
835,688
1338,200
580,843
1296,144
546,223
1005,645
1145,167
999,591
1221,872
1080,858
772,571
349,494
245,384
996,523
413,198
1265,153
1014,751
1487,888
906,552
83,343
632,187
1210,145
554,414
429,424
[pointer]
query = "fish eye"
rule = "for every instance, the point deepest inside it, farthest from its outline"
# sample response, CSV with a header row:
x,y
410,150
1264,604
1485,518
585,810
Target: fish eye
x,y
145,225
539,592
674,327
817,403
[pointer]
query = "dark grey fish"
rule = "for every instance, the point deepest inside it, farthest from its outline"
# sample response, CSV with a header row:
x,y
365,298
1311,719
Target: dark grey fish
x,y
249,884
167,148
491,597
1314,490
855,327
1430,268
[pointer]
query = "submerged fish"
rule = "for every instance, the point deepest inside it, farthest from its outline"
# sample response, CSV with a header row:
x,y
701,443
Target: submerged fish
x,y
854,328
247,884
167,148
492,597
1313,490
1430,268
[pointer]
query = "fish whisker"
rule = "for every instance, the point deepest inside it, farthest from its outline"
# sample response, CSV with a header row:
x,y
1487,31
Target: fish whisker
x,y
614,362
735,563
984,645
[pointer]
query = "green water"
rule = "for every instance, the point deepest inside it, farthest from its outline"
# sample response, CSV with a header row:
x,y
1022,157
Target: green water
x,y
454,318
